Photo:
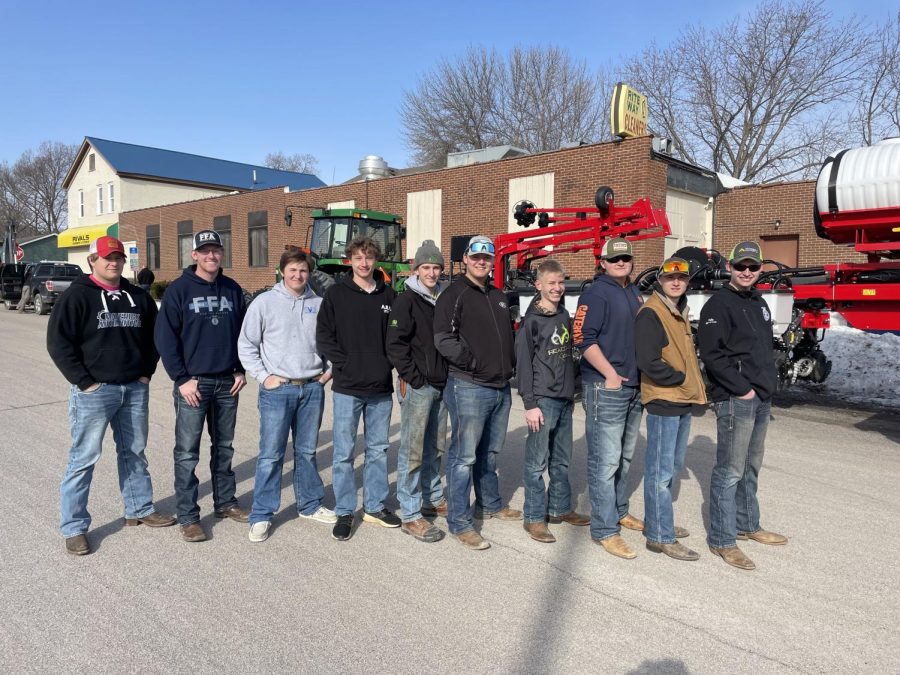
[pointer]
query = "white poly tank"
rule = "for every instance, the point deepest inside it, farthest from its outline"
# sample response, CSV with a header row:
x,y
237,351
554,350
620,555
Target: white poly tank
x,y
861,179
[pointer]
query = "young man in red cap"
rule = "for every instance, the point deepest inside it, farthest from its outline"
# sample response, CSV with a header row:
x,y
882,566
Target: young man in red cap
x,y
100,336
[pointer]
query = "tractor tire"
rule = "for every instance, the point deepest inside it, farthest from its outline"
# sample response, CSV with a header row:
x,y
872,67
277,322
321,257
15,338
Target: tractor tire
x,y
603,198
40,307
321,281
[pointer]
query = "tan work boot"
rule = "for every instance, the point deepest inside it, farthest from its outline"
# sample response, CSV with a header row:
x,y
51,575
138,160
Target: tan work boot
x,y
764,537
734,557
423,530
632,523
193,532
505,513
681,533
617,546
572,518
539,532
471,539
677,550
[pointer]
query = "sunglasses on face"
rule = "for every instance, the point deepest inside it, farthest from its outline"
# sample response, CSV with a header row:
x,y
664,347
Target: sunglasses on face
x,y
481,247
743,267
619,258
674,267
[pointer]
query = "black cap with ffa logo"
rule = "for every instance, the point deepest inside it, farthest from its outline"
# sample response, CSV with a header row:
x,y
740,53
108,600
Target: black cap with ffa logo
x,y
207,238
746,250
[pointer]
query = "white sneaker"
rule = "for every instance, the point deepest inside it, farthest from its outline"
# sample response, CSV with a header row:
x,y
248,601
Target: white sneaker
x,y
322,515
260,531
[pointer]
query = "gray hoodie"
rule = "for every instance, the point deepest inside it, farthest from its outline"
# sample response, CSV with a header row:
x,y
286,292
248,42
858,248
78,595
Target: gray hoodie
x,y
278,336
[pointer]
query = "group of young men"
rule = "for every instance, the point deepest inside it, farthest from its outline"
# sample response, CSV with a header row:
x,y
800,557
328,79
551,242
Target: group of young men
x,y
455,352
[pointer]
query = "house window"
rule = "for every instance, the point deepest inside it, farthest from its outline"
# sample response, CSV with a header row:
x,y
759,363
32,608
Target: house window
x,y
92,164
185,242
99,199
111,191
81,203
222,225
153,247
258,235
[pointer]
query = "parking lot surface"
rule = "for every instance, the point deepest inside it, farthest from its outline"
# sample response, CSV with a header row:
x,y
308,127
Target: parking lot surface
x,y
145,601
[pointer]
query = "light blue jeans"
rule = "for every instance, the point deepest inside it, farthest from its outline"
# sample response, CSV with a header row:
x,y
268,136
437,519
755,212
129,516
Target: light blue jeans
x,y
612,422
667,439
423,439
376,413
124,408
296,409
478,418
740,444
550,446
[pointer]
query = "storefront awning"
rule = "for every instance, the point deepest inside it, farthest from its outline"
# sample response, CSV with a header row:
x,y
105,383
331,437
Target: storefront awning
x,y
83,236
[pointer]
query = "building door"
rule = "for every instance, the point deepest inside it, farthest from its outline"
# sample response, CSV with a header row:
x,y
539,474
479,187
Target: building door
x,y
784,249
690,218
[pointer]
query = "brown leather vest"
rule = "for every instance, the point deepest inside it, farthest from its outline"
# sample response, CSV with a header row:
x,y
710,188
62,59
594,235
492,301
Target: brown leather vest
x,y
679,353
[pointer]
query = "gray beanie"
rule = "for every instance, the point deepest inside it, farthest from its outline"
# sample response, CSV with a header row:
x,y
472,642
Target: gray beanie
x,y
428,253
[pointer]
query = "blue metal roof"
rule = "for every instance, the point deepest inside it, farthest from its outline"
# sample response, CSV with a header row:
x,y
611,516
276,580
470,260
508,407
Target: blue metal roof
x,y
139,160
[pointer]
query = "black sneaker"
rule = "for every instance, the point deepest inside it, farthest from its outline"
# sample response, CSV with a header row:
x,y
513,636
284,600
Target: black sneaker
x,y
384,518
343,528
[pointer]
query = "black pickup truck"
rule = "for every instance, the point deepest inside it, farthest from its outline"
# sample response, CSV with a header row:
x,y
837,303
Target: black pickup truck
x,y
47,280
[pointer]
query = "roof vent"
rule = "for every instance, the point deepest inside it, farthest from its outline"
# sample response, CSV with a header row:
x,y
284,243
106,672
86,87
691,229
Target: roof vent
x,y
372,167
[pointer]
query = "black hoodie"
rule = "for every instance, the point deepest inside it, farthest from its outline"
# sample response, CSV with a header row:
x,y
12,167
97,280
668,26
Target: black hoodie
x,y
410,340
102,336
544,355
735,338
473,330
351,333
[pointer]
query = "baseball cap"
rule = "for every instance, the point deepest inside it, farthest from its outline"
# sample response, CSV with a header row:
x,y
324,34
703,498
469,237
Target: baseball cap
x,y
746,250
616,247
480,244
104,246
206,237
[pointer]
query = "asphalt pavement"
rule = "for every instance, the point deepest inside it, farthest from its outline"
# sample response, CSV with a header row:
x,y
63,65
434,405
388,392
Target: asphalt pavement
x,y
146,601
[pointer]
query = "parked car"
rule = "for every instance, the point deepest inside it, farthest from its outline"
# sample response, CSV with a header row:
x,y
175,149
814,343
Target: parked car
x,y
49,279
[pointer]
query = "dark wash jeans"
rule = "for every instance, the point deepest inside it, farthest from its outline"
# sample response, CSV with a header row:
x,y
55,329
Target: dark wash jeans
x,y
550,446
740,444
220,406
612,422
478,419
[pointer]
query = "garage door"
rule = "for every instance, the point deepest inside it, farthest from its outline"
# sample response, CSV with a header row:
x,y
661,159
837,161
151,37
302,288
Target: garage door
x,y
690,218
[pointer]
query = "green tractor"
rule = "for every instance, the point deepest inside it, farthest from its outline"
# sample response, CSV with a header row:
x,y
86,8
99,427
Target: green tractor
x,y
332,231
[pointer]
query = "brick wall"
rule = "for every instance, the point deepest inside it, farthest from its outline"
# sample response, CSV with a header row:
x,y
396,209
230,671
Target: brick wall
x,y
750,212
475,201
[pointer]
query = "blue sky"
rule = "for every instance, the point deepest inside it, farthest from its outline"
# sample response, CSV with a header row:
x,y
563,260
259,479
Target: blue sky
x,y
238,79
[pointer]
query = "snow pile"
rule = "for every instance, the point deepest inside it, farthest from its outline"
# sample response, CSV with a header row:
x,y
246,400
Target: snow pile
x,y
864,367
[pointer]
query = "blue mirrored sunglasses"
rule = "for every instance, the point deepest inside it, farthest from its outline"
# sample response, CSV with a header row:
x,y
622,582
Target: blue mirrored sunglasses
x,y
481,247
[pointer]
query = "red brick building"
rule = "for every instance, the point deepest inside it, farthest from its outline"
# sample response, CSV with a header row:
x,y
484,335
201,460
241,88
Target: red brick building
x,y
478,199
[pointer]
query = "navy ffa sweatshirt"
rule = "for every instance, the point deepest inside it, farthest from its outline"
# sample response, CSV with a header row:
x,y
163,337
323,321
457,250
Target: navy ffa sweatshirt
x,y
351,333
102,336
198,326
605,317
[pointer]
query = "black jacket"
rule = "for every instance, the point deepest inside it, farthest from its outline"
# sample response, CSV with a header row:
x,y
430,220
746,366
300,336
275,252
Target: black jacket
x,y
544,355
735,336
473,331
410,340
351,333
101,336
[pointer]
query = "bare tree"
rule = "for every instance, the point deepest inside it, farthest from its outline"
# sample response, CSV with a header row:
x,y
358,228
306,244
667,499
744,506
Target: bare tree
x,y
759,98
301,163
31,190
534,98
877,111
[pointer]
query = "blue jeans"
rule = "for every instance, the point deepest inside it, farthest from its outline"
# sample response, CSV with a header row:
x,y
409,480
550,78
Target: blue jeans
x,y
612,421
478,418
296,409
220,407
667,439
733,507
376,413
124,408
423,439
551,444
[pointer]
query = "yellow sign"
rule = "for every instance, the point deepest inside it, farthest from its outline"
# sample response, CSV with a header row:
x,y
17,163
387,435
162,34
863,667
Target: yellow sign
x,y
869,291
629,112
83,236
